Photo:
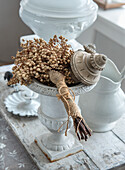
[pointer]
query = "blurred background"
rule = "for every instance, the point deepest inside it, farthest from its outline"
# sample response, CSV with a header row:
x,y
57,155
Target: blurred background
x,y
11,28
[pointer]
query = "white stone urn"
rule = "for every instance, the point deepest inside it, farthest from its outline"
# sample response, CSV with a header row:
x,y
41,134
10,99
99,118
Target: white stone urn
x,y
52,114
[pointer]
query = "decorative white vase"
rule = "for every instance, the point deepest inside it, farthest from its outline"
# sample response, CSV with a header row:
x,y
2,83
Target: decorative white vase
x,y
105,104
52,114
67,18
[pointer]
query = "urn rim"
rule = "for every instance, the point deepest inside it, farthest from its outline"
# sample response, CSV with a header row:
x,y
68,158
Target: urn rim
x,y
42,89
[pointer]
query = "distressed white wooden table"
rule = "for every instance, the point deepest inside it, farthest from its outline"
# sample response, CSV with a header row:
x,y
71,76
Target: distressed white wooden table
x,y
102,150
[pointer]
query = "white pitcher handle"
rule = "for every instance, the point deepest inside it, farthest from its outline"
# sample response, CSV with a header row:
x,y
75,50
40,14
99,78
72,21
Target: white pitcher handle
x,y
123,73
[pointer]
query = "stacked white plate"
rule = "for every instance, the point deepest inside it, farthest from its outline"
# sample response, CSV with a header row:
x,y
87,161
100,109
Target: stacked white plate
x,y
23,103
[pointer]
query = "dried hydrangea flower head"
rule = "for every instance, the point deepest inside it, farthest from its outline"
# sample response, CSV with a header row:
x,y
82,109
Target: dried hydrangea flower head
x,y
38,57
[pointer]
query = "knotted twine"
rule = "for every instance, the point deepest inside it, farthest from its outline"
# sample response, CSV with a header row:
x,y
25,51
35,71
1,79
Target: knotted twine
x,y
69,102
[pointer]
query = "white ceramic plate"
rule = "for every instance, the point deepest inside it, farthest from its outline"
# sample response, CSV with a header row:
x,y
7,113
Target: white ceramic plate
x,y
22,106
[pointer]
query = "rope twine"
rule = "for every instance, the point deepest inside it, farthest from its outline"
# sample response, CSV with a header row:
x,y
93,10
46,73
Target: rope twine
x,y
65,96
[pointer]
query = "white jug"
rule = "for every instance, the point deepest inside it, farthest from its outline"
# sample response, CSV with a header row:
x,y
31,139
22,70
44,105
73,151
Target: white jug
x,y
105,104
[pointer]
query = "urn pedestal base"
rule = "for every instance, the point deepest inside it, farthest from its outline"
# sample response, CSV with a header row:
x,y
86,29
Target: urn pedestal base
x,y
54,155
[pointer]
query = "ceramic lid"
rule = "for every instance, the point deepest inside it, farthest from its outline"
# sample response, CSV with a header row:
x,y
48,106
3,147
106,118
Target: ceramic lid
x,y
60,8
87,67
